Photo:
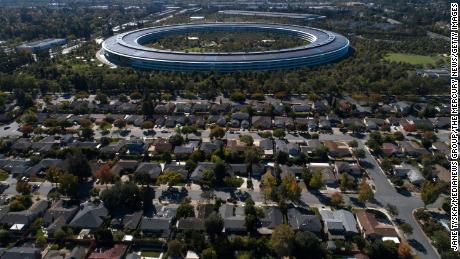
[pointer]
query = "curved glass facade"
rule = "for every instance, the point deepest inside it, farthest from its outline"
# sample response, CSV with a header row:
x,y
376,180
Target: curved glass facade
x,y
126,50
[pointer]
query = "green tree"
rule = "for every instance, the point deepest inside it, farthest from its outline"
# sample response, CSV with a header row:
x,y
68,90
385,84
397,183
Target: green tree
x,y
220,171
5,237
316,181
104,236
119,123
374,146
279,133
122,197
148,124
217,132
344,181
386,165
170,177
176,140
247,139
252,216
290,188
214,225
365,192
237,96
336,199
185,210
60,235
308,246
20,202
251,156
282,157
282,240
147,195
175,249
40,239
87,133
383,250
406,228
392,209
306,176
429,193
77,164
268,184
209,253
68,184
23,188
353,144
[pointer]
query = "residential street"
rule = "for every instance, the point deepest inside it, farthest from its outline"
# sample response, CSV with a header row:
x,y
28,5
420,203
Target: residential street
x,y
385,193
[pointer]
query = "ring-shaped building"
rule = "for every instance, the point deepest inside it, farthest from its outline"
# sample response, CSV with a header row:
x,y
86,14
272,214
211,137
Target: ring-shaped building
x,y
127,49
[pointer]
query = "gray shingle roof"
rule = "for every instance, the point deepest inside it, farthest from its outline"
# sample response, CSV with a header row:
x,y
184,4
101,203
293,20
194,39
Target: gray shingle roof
x,y
89,216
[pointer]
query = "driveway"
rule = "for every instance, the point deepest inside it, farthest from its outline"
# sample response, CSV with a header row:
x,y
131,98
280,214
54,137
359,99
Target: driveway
x,y
10,130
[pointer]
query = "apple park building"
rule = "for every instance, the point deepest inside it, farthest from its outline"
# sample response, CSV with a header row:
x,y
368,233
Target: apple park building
x,y
128,49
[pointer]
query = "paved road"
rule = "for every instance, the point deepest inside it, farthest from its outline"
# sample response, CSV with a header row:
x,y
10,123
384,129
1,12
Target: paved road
x,y
386,193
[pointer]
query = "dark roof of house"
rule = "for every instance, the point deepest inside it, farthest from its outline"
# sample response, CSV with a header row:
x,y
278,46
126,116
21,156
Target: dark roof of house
x,y
226,210
262,121
22,144
84,144
124,165
25,216
89,216
238,168
197,174
183,150
299,220
235,223
190,223
78,252
266,144
176,168
204,210
46,163
129,221
133,256
155,224
273,217
209,147
59,209
166,211
22,253
152,169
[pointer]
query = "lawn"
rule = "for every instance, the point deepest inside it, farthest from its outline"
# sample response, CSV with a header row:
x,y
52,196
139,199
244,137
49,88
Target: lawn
x,y
3,175
412,58
150,253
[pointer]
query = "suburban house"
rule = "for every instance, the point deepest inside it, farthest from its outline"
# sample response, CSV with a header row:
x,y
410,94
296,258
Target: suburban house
x,y
58,215
90,216
373,229
299,220
20,220
412,173
338,223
